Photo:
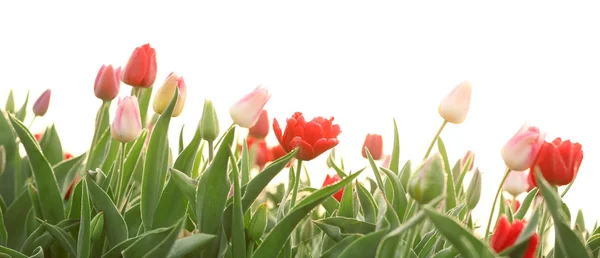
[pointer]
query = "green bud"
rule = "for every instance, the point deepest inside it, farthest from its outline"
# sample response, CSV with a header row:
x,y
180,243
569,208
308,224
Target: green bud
x,y
97,226
428,181
258,223
209,123
474,190
2,159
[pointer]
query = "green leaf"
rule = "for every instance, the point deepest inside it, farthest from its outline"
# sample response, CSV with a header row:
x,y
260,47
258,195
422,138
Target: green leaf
x,y
115,252
63,238
110,159
133,219
347,204
41,238
157,161
181,144
101,135
365,246
246,163
520,214
405,174
12,253
187,186
279,235
452,230
10,102
35,201
399,202
367,203
51,146
567,240
83,239
395,158
450,192
3,233
155,243
336,249
593,243
348,225
10,180
51,200
238,231
132,160
22,113
190,244
114,224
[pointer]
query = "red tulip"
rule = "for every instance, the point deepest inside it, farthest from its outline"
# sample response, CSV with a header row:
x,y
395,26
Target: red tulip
x,y
373,142
70,190
67,155
509,203
261,128
140,70
107,83
558,161
38,136
329,180
313,137
278,152
263,154
506,234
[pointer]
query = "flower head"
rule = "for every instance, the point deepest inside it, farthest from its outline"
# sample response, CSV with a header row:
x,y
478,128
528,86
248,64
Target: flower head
x,y
165,94
246,111
107,84
329,180
558,161
261,128
40,107
373,142
127,124
506,234
455,106
520,151
140,70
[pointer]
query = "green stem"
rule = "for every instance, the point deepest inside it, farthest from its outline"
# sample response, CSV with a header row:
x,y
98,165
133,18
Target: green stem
x,y
121,174
489,224
30,124
249,249
437,135
411,238
543,234
567,189
211,151
296,184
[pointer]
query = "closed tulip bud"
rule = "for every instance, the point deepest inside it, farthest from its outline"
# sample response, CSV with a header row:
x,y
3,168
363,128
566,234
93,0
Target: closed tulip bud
x,y
474,190
165,94
40,107
140,70
127,124
2,159
247,110
520,151
209,123
258,223
465,159
107,83
454,107
516,183
261,128
386,161
373,142
428,181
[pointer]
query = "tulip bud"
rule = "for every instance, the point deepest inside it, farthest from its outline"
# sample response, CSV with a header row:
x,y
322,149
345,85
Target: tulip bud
x,y
373,142
127,124
140,70
107,83
428,181
386,161
165,94
247,110
455,106
465,159
40,107
258,223
2,159
520,151
474,190
97,227
209,123
516,183
261,128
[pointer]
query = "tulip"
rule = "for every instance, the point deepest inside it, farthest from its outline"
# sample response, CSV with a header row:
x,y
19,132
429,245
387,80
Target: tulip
x,y
38,136
516,183
107,83
262,153
261,128
40,107
67,155
313,137
209,129
247,110
506,235
329,180
520,151
428,181
558,161
465,159
277,152
140,70
386,161
70,189
474,190
127,124
373,142
454,107
165,94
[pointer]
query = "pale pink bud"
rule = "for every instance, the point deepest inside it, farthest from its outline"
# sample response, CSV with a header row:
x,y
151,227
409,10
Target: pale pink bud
x,y
386,161
246,111
40,107
520,151
455,106
516,183
107,83
127,124
465,159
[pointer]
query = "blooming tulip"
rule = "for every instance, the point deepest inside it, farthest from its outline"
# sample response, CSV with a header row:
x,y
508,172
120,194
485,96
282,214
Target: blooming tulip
x,y
329,180
428,181
516,183
107,83
455,106
261,128
127,124
520,151
40,107
558,161
313,137
374,143
165,94
140,70
506,235
247,110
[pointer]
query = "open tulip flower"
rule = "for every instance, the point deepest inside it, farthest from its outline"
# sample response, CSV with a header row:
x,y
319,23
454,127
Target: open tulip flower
x,y
558,161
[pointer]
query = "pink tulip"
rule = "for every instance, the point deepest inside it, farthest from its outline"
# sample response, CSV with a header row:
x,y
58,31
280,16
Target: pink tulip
x,y
107,83
127,124
454,107
386,161
247,110
463,161
40,107
516,183
520,151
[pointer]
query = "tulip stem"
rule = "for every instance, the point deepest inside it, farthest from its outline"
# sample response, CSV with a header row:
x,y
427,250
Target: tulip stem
x,y
487,230
437,135
296,183
411,238
211,151
31,123
567,189
121,174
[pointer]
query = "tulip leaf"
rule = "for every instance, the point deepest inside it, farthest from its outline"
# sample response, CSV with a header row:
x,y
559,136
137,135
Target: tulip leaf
x,y
10,102
51,147
83,239
520,214
115,252
450,192
51,201
132,160
238,231
187,186
101,127
22,113
348,225
280,234
347,203
154,243
7,252
400,202
65,172
405,174
338,247
367,203
365,246
157,162
41,238
11,180
144,102
64,239
395,158
3,233
114,224
133,219
98,152
187,245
